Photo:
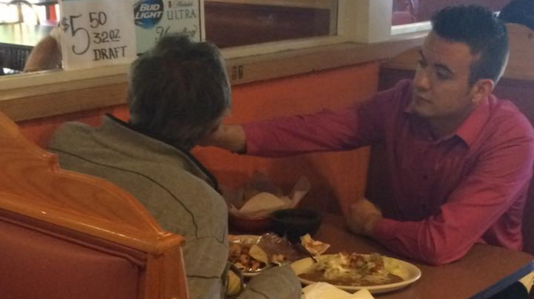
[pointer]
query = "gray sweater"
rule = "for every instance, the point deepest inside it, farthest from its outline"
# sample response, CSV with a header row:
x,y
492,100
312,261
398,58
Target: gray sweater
x,y
177,191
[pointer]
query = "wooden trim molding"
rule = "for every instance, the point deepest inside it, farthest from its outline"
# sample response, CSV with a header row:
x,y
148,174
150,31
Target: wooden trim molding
x,y
294,62
41,95
320,4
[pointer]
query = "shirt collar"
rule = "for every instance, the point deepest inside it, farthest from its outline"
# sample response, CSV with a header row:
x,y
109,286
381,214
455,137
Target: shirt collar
x,y
468,130
474,123
138,139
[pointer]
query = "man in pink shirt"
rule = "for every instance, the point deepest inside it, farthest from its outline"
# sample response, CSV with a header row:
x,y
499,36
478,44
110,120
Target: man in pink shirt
x,y
460,160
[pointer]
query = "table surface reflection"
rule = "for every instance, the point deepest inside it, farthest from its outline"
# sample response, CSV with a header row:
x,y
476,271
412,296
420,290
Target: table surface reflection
x,y
484,271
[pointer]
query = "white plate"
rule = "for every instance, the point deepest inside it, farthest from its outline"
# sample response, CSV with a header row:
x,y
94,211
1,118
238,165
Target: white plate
x,y
248,240
244,239
408,272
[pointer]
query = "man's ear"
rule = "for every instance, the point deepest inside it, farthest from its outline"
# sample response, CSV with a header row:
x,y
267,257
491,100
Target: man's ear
x,y
481,90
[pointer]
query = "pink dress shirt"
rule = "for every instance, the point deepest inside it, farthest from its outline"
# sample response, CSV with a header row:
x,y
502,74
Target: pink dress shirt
x,y
447,194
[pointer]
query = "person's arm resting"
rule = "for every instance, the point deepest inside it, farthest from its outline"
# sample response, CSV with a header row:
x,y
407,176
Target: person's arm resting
x,y
477,203
45,56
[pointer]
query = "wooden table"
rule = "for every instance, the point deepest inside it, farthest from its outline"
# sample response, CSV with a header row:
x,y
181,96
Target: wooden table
x,y
483,272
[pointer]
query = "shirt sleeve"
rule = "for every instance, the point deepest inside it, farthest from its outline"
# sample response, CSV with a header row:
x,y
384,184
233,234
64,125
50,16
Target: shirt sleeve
x,y
500,177
358,125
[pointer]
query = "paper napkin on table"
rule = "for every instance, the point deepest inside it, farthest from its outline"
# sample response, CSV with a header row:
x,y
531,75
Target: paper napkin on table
x,y
262,204
323,290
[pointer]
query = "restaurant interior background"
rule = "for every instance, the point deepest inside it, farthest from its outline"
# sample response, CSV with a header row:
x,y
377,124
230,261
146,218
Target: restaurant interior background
x,y
283,57
229,23
293,56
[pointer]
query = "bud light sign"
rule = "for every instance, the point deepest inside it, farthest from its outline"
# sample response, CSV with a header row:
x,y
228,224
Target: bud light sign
x,y
156,18
148,13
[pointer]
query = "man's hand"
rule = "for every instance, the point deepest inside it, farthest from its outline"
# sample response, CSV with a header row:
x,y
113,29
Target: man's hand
x,y
229,137
363,216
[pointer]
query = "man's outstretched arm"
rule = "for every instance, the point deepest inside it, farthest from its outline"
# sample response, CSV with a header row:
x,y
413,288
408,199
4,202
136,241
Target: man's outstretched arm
x,y
229,137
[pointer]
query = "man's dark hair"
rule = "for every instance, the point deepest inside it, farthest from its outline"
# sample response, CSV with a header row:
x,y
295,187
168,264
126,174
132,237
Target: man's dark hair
x,y
178,91
478,28
519,12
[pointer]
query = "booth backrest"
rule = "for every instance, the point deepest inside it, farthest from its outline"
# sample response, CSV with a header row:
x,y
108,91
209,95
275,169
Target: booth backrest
x,y
48,261
67,235
517,85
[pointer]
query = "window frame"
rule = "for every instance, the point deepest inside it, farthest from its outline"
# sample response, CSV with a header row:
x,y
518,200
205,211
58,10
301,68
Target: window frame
x,y
364,34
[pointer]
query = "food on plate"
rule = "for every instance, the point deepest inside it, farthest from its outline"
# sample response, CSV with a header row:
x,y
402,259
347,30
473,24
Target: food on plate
x,y
351,270
314,247
234,284
240,256
252,254
278,258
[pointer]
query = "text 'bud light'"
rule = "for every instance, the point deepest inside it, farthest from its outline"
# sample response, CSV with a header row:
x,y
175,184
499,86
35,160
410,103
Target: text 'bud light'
x,y
148,13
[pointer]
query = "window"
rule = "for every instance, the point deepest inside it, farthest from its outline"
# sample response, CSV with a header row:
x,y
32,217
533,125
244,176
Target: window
x,y
38,12
231,23
416,11
338,23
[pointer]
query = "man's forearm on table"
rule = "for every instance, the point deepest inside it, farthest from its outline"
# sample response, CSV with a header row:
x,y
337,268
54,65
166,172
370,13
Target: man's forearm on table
x,y
418,241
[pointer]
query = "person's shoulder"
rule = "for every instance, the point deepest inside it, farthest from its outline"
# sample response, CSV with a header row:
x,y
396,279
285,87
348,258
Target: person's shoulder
x,y
69,132
73,128
509,119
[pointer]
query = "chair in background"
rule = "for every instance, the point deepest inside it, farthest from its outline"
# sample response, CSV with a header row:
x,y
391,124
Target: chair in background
x,y
66,235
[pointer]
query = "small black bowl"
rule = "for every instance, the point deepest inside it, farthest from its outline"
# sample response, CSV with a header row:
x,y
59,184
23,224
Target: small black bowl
x,y
294,223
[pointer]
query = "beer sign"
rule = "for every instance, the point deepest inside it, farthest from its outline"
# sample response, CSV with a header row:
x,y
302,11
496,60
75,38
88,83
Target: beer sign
x,y
155,18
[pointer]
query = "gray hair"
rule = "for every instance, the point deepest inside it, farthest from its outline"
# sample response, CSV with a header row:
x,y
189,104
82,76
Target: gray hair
x,y
178,91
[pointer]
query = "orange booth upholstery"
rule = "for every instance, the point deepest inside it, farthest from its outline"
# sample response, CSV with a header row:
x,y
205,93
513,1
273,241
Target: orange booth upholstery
x,y
65,235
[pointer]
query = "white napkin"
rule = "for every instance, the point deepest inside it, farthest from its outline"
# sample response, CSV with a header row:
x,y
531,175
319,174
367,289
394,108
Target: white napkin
x,y
264,203
323,290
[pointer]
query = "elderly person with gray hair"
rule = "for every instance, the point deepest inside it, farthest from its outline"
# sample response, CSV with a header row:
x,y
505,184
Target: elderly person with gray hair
x,y
178,95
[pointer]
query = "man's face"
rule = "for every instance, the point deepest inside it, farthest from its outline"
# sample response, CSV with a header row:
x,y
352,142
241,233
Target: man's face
x,y
441,84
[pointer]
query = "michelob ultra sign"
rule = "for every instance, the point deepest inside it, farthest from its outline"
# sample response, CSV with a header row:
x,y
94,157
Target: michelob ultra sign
x,y
155,18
